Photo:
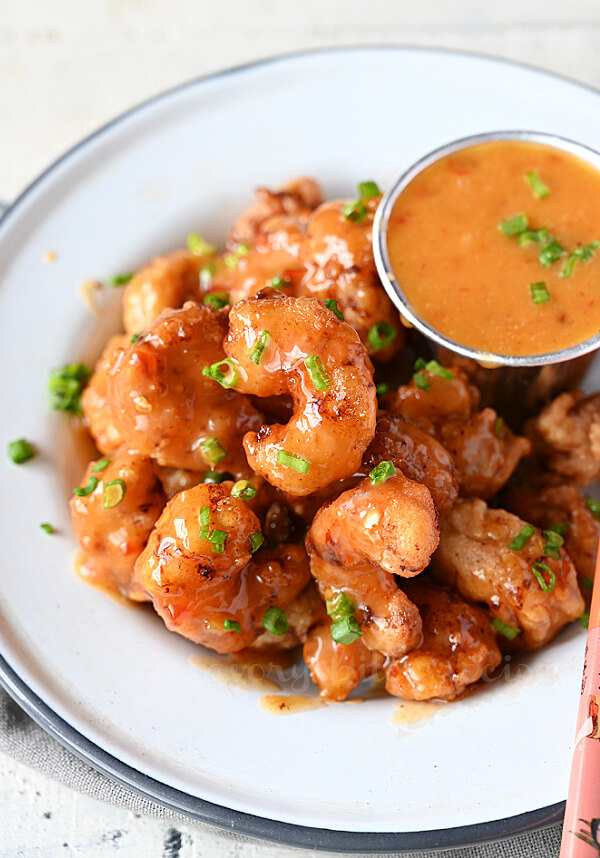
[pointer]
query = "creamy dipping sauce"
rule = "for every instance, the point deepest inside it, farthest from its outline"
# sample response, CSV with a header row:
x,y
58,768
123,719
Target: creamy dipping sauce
x,y
473,282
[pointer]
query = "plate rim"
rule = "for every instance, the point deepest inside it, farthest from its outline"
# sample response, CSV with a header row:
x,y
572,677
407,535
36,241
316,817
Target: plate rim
x,y
196,808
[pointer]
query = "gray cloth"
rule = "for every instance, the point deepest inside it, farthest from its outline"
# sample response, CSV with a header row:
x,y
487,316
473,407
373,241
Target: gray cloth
x,y
21,738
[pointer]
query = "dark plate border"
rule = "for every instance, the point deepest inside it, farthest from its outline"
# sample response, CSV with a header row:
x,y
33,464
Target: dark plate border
x,y
200,809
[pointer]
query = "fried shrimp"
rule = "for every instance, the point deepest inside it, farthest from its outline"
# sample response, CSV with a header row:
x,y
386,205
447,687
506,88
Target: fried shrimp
x,y
167,409
336,669
360,541
294,200
95,401
280,345
419,456
457,649
567,433
202,576
113,516
528,582
338,256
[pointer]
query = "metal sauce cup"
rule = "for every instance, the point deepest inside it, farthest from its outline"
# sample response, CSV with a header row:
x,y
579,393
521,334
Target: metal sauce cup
x,y
517,386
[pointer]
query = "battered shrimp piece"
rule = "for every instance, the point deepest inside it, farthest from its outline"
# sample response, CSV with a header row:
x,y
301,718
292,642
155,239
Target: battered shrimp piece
x,y
297,198
475,556
113,522
302,613
165,283
360,541
567,432
202,577
338,256
457,649
165,407
419,456
565,505
336,669
95,403
298,346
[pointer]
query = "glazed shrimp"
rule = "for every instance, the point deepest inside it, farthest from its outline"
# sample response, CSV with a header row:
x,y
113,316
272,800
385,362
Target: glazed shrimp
x,y
336,669
360,541
295,200
200,572
284,345
94,400
166,408
114,519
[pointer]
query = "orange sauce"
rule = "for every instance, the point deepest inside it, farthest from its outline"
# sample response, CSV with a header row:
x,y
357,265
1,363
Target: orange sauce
x,y
471,282
414,711
289,704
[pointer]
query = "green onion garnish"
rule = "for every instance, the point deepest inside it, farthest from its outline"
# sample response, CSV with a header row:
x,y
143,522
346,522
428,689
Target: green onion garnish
x,y
340,606
217,540
435,368
243,489
561,527
223,371
290,460
206,275
522,538
275,621
382,388
264,338
120,279
355,212
551,253
345,630
514,225
421,381
368,190
382,472
505,629
218,300
232,626
204,521
539,569
47,528
584,619
135,338
101,465
381,335
539,189
539,293
114,492
199,246
20,451
256,540
65,386
317,372
554,542
333,306
420,363
499,427
232,259
530,236
587,582
594,507
84,491
213,477
580,254
213,451
279,282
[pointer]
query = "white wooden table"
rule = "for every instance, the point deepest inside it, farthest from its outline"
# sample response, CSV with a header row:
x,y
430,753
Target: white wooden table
x,y
66,67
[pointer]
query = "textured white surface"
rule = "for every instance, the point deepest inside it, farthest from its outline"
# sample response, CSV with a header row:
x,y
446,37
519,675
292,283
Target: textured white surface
x,y
68,66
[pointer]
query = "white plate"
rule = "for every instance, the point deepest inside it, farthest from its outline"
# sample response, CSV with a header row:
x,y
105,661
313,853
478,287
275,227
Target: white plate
x,y
111,681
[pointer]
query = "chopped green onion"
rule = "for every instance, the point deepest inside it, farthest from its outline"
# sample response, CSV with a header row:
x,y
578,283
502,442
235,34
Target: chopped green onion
x,y
499,427
291,460
580,254
333,306
84,491
382,388
340,606
381,335
223,371
279,282
275,621
522,538
318,373
505,629
264,338
204,521
256,540
213,477
539,569
584,619
561,527
514,225
20,451
530,236
243,489
114,492
65,386
355,212
101,465
135,338
231,260
368,190
436,369
217,540
345,630
420,363
539,293
47,528
594,507
213,450
206,275
539,189
121,279
232,626
421,381
199,246
587,582
218,300
554,542
382,472
551,253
